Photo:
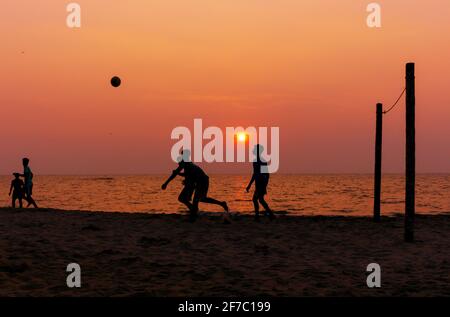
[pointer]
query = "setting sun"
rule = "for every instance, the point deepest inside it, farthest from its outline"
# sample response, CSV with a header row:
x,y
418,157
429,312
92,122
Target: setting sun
x,y
241,137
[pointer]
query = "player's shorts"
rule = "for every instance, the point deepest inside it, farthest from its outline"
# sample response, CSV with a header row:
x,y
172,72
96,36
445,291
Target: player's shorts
x,y
186,193
17,195
261,185
201,189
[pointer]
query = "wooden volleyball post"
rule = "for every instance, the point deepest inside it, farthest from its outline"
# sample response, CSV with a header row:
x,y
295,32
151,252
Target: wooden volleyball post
x,y
378,152
410,159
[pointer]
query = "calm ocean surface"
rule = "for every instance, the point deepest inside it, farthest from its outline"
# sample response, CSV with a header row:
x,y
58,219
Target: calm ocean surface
x,y
294,194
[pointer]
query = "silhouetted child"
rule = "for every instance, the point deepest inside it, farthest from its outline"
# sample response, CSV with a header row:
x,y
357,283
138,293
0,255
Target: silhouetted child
x,y
17,189
261,178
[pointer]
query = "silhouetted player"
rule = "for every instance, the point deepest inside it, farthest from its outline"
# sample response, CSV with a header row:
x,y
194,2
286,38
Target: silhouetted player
x,y
17,189
196,181
261,178
28,175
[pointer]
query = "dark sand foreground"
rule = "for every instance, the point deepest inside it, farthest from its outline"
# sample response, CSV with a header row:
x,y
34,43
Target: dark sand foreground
x,y
163,255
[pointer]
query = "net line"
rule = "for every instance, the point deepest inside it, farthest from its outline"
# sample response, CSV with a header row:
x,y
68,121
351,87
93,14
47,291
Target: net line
x,y
393,106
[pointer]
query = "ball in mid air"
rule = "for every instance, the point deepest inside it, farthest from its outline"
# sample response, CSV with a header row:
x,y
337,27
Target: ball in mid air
x,y
115,81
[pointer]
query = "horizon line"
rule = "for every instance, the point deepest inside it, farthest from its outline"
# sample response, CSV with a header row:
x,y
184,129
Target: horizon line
x,y
237,174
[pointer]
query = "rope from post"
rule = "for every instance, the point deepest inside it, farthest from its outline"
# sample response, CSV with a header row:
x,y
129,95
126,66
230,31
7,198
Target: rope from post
x,y
393,106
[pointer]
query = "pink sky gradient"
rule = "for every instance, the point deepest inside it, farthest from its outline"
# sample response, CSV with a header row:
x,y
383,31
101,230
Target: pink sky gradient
x,y
313,68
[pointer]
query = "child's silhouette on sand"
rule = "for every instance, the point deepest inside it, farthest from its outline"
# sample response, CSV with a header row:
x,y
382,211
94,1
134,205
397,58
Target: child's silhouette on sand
x,y
261,178
17,189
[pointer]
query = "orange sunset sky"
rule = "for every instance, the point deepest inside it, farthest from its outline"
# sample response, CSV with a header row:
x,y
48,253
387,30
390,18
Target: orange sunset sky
x,y
312,68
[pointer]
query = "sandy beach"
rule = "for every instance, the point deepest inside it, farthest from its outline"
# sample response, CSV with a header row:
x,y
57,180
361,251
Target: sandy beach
x,y
124,254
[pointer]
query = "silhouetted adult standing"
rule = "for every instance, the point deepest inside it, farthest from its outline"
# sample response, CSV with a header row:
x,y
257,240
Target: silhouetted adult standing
x,y
28,175
197,180
261,178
